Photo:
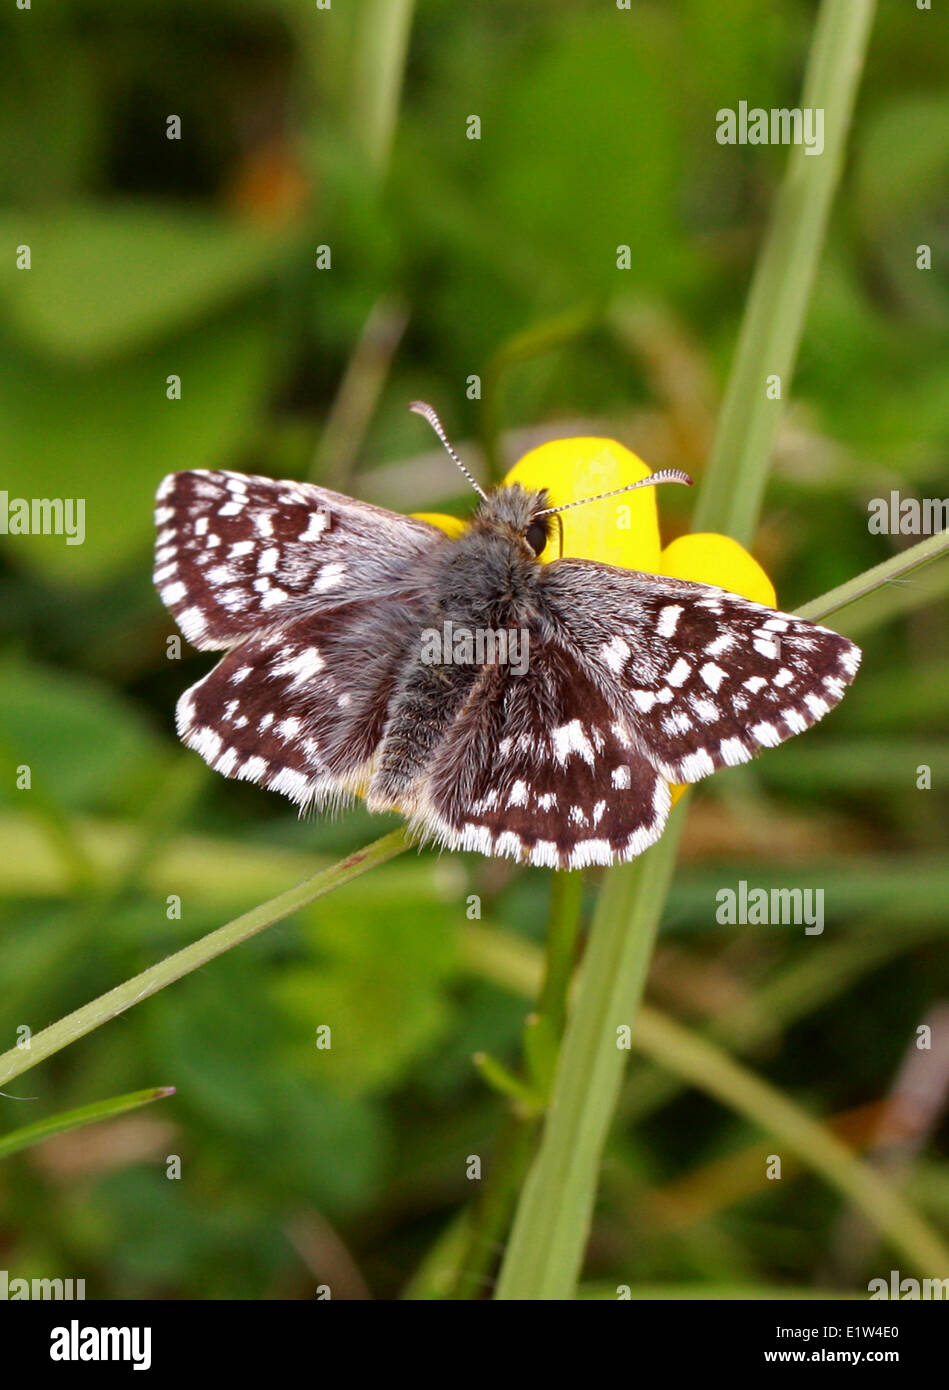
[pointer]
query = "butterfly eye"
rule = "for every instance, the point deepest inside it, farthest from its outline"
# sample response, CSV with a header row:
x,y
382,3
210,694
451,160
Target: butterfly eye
x,y
536,536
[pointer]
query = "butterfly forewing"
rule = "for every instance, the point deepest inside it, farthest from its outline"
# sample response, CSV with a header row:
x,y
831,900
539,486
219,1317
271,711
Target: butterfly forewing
x,y
240,554
706,679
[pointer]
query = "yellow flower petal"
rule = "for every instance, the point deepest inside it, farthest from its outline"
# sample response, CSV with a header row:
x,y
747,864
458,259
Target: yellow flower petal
x,y
620,531
707,558
451,525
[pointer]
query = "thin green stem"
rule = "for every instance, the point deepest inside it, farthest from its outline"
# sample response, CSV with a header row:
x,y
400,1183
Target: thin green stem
x,y
781,1001
543,1257
76,1025
562,933
491,1218
705,1065
29,1135
382,43
885,591
784,274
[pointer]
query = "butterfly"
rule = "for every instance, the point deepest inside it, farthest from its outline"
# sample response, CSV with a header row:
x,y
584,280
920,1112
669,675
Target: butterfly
x,y
327,691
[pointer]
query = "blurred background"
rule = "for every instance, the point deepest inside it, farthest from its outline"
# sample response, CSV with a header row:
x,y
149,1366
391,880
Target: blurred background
x,y
479,274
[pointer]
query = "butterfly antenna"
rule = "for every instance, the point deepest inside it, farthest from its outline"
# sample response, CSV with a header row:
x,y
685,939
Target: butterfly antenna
x,y
426,411
665,475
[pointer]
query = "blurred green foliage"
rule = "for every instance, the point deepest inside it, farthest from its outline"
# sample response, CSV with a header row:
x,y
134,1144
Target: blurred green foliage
x,y
196,258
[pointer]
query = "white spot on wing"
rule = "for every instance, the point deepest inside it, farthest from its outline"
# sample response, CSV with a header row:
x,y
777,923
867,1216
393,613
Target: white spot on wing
x,y
331,576
706,711
794,720
722,643
316,525
696,766
518,796
669,619
615,654
712,675
570,738
733,751
303,666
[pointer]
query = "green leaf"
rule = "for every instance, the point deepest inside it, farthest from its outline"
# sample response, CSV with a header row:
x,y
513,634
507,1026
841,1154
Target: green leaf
x,y
83,743
106,280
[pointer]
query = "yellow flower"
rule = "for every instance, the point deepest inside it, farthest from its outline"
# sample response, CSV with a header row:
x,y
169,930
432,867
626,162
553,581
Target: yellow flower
x,y
624,530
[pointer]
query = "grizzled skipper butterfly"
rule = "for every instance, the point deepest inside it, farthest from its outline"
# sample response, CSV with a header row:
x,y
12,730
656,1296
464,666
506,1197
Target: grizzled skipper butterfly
x,y
333,686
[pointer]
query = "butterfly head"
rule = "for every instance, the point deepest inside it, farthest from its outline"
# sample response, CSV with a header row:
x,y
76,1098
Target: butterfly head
x,y
522,515
519,515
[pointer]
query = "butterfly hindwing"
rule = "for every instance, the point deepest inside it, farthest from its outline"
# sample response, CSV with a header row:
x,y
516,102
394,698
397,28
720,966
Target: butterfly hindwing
x,y
540,768
705,678
239,554
301,710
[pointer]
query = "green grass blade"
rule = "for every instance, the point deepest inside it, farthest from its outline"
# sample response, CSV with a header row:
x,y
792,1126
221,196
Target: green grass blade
x,y
710,1068
75,1025
74,1119
381,47
898,585
545,1249
735,480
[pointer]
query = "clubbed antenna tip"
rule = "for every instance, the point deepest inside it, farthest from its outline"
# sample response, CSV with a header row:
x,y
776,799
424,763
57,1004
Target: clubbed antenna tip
x,y
665,475
427,412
